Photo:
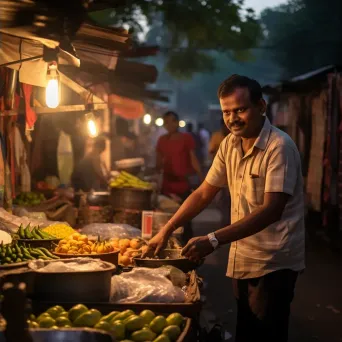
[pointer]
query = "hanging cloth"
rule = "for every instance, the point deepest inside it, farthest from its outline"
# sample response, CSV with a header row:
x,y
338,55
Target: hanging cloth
x,y
315,169
65,158
21,161
31,116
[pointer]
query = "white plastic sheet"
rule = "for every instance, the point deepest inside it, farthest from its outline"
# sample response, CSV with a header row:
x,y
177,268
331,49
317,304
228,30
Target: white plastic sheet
x,y
145,285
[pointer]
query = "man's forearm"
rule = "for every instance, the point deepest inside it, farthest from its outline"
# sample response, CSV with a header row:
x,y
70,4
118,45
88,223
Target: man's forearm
x,y
191,207
249,225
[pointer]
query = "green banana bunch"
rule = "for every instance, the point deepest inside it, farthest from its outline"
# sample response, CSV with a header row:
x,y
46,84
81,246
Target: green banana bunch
x,y
126,180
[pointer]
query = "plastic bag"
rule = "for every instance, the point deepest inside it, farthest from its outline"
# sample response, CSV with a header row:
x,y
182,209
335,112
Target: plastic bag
x,y
23,220
112,230
145,285
78,265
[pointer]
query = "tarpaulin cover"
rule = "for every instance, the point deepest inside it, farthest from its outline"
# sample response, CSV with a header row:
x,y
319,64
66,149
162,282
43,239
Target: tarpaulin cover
x,y
32,72
125,107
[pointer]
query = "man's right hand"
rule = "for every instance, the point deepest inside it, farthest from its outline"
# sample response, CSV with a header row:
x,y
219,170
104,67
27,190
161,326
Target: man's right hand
x,y
156,244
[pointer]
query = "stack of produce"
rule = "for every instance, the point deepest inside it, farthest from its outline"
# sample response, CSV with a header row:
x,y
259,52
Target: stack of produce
x,y
59,230
14,253
33,233
129,248
124,326
77,244
126,180
29,199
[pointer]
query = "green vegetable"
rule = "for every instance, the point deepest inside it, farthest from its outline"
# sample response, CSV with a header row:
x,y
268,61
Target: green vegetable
x,y
47,236
34,234
40,234
21,232
48,253
28,234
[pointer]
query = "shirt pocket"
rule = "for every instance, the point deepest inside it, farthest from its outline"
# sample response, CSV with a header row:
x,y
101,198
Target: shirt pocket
x,y
255,190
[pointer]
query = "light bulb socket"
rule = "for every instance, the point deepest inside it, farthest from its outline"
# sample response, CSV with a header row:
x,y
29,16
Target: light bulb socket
x,y
50,55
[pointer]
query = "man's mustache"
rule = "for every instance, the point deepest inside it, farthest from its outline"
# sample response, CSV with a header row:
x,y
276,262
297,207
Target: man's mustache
x,y
236,124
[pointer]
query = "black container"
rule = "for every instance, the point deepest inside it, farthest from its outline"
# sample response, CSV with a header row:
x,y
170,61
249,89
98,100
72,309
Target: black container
x,y
82,286
131,198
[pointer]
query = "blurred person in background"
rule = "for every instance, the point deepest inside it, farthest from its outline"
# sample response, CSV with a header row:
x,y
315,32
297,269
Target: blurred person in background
x,y
91,172
176,158
216,139
198,141
204,137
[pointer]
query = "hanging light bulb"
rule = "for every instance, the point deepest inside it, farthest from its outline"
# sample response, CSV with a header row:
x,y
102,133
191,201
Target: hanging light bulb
x,y
52,91
91,125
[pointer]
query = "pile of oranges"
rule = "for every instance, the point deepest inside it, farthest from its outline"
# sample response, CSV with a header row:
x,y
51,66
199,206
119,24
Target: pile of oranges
x,y
129,248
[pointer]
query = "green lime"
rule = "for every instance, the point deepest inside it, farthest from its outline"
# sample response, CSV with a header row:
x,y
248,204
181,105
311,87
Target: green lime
x,y
43,315
158,324
175,319
62,321
77,311
46,322
53,312
118,330
103,325
134,323
148,316
162,338
172,331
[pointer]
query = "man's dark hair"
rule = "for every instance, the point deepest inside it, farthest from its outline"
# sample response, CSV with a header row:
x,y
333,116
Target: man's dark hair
x,y
171,114
100,143
228,86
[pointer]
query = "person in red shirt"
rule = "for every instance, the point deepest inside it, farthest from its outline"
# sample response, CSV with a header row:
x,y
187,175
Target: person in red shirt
x,y
177,160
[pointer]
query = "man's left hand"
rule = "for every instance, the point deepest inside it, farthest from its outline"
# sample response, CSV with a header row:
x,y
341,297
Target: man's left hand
x,y
197,248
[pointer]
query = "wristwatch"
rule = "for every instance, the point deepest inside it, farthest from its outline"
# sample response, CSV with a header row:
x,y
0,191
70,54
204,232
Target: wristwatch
x,y
213,241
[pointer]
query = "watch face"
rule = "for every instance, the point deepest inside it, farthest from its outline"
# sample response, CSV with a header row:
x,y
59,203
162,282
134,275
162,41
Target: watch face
x,y
213,240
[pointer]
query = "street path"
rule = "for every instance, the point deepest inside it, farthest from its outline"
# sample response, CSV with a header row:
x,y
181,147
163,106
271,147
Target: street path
x,y
317,307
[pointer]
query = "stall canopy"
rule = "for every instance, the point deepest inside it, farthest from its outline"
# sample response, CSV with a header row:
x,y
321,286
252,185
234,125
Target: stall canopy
x,y
18,44
89,56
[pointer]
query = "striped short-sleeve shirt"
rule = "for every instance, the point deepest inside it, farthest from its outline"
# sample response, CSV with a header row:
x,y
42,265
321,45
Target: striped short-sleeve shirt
x,y
271,165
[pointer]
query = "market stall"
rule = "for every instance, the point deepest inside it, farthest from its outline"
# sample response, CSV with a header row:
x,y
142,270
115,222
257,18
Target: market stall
x,y
80,262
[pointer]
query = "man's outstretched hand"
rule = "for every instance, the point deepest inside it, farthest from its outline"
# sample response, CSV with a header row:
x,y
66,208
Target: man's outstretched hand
x,y
156,244
197,248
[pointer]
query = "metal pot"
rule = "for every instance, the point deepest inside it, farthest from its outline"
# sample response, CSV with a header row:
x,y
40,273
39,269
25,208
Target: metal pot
x,y
78,286
131,198
75,334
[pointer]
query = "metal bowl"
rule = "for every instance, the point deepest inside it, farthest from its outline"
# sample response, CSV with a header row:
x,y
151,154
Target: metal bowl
x,y
77,286
73,334
170,257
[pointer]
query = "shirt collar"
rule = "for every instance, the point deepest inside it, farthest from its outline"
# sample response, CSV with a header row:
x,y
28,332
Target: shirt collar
x,y
262,139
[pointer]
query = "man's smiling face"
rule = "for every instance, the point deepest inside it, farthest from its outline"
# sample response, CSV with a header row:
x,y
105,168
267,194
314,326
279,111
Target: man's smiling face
x,y
242,117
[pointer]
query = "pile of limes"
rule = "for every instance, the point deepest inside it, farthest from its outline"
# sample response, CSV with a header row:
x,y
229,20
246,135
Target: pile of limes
x,y
124,326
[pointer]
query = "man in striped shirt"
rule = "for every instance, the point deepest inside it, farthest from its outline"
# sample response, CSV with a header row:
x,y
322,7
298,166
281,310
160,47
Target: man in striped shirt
x,y
261,166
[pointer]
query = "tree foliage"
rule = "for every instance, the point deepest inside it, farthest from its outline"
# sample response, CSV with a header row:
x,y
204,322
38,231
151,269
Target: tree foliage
x,y
187,30
305,34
